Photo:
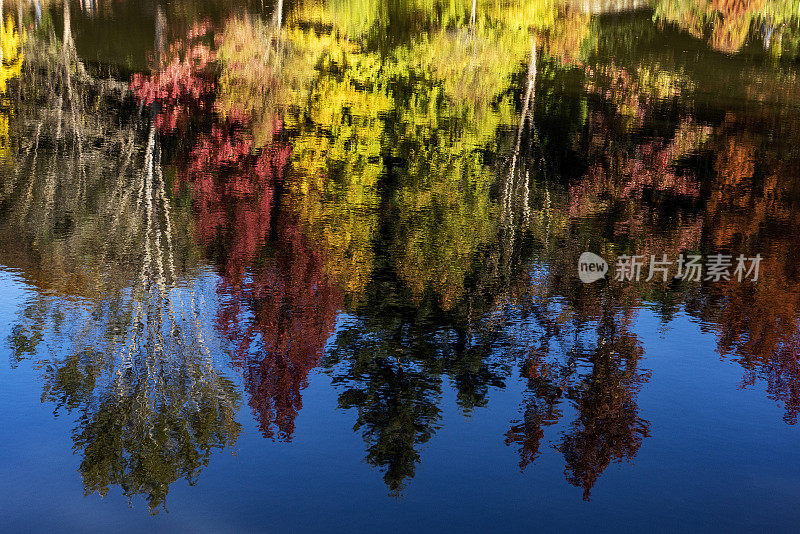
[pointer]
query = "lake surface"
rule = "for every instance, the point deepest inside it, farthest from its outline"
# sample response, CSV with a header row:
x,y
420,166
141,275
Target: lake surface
x,y
319,265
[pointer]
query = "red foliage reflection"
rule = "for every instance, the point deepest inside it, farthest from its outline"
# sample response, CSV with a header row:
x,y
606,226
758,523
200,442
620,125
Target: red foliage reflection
x,y
277,308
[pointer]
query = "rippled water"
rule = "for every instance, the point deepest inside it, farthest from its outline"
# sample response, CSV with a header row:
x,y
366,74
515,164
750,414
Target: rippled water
x,y
315,265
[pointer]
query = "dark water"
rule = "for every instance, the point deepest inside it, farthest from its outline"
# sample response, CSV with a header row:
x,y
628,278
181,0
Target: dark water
x,y
315,266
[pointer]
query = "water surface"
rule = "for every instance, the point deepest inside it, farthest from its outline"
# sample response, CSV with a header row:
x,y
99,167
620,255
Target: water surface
x,y
314,265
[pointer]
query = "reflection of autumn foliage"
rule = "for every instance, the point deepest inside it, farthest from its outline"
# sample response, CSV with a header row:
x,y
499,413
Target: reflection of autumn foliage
x,y
731,31
279,320
732,201
782,373
277,311
565,39
607,427
747,206
758,324
281,290
182,83
540,409
630,178
729,21
649,167
625,174
634,181
279,315
231,180
233,192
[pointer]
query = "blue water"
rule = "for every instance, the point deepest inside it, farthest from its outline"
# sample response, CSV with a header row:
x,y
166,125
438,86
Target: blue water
x,y
712,462
315,268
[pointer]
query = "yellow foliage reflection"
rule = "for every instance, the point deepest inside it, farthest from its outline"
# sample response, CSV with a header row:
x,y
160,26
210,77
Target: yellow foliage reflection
x,y
11,57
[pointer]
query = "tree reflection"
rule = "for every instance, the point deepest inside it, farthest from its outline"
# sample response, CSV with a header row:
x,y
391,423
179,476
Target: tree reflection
x,y
396,397
608,427
590,358
401,221
390,363
752,207
115,339
277,305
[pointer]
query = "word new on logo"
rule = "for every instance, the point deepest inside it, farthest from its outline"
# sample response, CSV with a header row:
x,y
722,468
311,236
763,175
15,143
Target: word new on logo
x,y
591,267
